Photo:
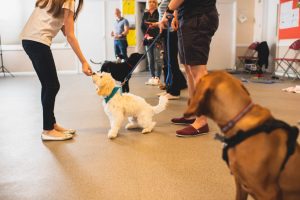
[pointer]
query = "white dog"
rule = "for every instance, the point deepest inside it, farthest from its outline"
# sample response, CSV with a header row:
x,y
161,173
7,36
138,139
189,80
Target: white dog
x,y
117,106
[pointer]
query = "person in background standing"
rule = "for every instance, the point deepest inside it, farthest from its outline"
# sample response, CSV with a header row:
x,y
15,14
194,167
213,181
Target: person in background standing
x,y
151,31
47,19
178,80
120,36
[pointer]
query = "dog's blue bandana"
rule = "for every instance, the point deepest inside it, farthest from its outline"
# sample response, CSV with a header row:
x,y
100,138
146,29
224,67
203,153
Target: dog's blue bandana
x,y
113,92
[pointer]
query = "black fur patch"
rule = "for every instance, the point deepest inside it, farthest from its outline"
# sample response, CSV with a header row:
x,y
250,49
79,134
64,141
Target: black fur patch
x,y
119,71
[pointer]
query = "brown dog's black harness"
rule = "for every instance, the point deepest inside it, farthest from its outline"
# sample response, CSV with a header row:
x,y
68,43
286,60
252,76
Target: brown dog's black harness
x,y
267,127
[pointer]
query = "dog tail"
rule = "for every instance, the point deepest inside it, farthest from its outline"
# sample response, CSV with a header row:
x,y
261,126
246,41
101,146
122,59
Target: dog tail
x,y
162,104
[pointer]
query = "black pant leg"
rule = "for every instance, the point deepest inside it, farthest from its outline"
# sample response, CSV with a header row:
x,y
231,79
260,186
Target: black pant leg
x,y
43,63
178,79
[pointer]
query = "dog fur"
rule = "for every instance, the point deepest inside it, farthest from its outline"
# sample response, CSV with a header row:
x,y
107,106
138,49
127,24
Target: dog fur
x,y
256,162
138,111
120,71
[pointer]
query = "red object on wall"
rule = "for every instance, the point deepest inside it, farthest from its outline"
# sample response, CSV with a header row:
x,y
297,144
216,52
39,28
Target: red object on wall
x,y
289,33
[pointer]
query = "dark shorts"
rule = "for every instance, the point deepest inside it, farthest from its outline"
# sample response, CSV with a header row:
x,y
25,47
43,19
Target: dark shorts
x,y
194,37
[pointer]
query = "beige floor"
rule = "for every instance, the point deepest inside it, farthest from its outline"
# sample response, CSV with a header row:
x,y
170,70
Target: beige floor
x,y
155,166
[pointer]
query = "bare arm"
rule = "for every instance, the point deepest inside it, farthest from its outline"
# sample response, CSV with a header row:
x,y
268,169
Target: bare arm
x,y
71,38
63,30
126,30
174,4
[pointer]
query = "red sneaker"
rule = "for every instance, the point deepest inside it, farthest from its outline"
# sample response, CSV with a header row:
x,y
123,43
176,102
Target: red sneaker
x,y
190,131
182,120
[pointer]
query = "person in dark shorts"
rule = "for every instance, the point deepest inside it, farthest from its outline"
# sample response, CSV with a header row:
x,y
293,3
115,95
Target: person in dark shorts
x,y
198,22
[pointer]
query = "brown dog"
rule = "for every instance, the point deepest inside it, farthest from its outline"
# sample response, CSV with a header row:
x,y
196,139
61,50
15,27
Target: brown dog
x,y
265,165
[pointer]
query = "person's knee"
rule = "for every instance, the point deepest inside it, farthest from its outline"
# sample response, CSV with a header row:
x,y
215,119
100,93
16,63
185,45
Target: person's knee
x,y
53,87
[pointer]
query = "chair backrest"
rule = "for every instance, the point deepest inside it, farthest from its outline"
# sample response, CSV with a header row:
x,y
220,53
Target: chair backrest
x,y
295,45
251,50
253,45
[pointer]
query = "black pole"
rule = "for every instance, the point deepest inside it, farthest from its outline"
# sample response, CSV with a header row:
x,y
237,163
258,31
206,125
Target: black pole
x,y
2,68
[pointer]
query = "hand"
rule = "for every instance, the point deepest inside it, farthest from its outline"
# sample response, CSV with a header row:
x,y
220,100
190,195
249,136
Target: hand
x,y
86,69
174,24
162,24
118,36
112,34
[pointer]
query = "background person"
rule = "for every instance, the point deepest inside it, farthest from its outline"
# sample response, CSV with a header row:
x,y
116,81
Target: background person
x,y
120,36
44,23
178,80
198,21
150,31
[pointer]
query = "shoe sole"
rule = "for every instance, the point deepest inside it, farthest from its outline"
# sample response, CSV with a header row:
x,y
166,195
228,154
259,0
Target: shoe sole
x,y
187,136
178,123
49,138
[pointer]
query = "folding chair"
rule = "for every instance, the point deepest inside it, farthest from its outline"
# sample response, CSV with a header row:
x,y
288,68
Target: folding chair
x,y
250,56
288,63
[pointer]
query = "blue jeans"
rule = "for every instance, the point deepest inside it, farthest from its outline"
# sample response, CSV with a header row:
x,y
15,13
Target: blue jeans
x,y
120,47
154,61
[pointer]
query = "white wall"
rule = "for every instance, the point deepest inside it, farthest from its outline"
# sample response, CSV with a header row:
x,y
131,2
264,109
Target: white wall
x,y
13,16
90,28
94,26
222,54
269,31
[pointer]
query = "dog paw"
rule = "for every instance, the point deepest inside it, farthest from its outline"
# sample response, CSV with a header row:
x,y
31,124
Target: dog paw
x,y
131,126
146,130
112,135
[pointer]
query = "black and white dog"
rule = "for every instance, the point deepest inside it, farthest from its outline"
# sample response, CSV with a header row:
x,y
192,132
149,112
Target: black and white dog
x,y
119,71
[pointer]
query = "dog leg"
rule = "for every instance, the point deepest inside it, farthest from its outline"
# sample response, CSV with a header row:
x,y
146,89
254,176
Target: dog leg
x,y
149,128
132,123
125,87
241,194
115,123
145,121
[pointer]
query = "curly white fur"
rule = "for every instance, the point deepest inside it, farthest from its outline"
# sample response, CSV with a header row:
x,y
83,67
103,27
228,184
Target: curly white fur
x,y
138,111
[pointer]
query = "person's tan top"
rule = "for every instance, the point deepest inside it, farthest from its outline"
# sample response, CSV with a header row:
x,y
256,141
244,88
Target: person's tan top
x,y
42,26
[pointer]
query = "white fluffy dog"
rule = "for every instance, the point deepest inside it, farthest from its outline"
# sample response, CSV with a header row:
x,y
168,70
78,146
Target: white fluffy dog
x,y
117,106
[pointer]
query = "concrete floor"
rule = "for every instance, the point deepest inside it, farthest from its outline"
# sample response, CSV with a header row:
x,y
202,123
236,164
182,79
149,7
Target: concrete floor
x,y
155,166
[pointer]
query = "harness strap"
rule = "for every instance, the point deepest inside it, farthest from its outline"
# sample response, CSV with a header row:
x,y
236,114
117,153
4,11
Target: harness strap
x,y
267,127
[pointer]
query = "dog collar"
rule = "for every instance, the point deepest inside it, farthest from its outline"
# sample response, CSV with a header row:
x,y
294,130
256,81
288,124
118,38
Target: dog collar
x,y
113,92
232,122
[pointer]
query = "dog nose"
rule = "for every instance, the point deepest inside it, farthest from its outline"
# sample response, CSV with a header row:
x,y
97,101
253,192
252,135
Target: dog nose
x,y
94,73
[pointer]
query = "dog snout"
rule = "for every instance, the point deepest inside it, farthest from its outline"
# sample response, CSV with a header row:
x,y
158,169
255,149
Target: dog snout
x,y
94,77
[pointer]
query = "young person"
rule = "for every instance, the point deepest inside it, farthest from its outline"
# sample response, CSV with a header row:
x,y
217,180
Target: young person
x,y
198,21
47,19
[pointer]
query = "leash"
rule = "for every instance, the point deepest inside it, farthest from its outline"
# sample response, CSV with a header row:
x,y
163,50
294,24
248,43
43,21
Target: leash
x,y
169,75
130,73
